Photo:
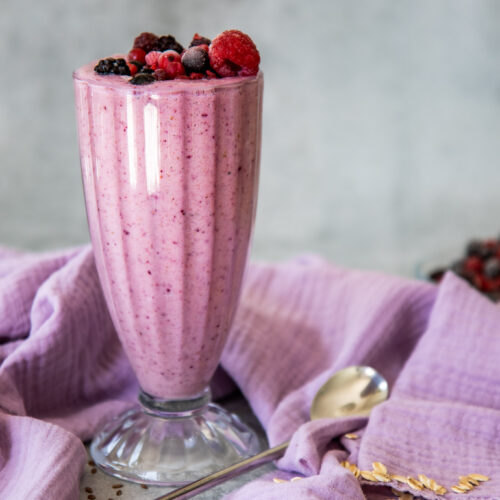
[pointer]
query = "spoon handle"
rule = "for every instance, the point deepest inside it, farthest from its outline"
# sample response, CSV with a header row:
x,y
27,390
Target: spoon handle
x,y
220,476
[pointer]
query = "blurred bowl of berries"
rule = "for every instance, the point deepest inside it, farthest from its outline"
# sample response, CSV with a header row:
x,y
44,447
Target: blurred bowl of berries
x,y
479,265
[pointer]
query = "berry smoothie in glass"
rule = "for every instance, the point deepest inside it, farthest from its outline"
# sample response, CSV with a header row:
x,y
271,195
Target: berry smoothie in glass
x,y
170,147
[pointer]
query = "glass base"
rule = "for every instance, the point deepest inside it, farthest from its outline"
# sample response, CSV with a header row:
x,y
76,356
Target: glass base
x,y
171,443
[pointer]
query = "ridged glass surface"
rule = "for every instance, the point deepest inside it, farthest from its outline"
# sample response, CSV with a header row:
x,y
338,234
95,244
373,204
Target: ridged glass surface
x,y
137,446
170,173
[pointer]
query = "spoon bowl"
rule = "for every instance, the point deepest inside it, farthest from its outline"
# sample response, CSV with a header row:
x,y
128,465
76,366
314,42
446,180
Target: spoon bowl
x,y
355,390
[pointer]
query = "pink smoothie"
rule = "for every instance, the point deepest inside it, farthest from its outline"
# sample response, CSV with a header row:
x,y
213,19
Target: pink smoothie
x,y
170,173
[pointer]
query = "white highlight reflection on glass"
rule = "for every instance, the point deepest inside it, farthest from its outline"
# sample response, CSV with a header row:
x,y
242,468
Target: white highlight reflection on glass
x,y
151,145
131,142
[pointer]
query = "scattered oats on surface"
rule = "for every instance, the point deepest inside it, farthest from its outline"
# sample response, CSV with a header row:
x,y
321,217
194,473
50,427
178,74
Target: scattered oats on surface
x,y
354,469
406,496
465,484
296,478
399,479
441,490
351,435
414,483
277,480
468,480
425,481
459,489
368,475
379,467
344,463
479,477
380,476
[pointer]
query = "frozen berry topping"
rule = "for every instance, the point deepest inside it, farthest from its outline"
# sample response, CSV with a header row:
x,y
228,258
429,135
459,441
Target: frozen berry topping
x,y
142,79
168,42
479,264
199,40
157,58
196,60
112,66
233,53
146,41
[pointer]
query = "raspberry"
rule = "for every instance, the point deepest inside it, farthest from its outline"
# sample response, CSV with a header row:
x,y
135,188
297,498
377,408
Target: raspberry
x,y
234,53
142,79
199,40
146,41
173,69
138,55
195,60
168,56
152,58
168,42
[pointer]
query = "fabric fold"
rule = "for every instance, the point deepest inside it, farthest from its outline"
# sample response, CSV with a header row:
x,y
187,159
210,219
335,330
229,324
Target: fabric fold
x,y
63,372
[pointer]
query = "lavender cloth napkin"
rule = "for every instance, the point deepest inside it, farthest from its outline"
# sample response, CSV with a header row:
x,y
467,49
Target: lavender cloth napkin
x,y
63,372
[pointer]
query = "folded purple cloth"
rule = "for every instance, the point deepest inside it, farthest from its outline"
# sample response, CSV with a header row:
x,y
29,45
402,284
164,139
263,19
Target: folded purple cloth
x,y
63,371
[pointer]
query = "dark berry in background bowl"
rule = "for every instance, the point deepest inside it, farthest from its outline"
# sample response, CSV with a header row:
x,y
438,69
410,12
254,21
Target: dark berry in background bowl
x,y
479,265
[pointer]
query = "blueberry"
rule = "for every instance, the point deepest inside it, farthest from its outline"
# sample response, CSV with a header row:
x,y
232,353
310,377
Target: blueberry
x,y
195,60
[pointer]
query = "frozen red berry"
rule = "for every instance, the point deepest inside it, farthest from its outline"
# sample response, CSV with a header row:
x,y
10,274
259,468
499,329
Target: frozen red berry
x,y
199,40
196,76
473,264
168,42
146,41
152,58
195,60
161,74
168,56
233,53
211,75
173,69
133,68
138,55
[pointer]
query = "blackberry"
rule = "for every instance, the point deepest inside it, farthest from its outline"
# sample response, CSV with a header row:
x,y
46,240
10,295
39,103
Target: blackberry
x,y
104,66
199,40
168,42
142,79
195,60
476,248
146,41
112,66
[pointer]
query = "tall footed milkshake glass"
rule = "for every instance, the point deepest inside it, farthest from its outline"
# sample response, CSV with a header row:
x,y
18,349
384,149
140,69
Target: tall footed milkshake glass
x,y
170,173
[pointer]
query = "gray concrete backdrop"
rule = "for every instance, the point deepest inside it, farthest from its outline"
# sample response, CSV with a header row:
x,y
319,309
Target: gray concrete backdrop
x,y
381,122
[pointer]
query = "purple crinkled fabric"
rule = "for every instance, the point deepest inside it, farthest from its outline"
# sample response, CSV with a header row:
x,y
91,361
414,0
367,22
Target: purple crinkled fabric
x,y
63,372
